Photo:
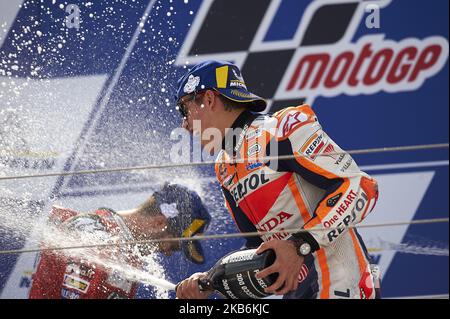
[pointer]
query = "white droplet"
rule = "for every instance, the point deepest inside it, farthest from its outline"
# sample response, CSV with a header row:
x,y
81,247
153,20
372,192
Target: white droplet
x,y
39,33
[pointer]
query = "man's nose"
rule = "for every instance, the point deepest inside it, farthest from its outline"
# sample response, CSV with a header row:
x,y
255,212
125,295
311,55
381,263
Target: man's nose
x,y
185,124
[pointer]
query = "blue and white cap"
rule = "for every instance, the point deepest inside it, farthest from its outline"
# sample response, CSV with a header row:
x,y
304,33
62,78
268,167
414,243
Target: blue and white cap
x,y
225,78
186,217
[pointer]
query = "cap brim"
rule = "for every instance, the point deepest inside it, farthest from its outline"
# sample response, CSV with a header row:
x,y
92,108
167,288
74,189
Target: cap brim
x,y
193,251
255,102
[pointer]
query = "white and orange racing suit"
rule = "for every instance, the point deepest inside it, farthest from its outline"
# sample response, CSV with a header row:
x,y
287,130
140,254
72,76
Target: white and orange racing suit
x,y
321,187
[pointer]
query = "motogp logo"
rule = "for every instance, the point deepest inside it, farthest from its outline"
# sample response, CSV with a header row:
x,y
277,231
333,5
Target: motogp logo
x,y
314,49
370,66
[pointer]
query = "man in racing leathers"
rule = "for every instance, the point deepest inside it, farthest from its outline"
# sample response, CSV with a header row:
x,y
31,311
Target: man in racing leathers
x,y
318,187
172,211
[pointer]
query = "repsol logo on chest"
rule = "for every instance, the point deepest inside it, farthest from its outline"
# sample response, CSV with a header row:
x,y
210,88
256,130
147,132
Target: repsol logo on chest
x,y
250,183
360,204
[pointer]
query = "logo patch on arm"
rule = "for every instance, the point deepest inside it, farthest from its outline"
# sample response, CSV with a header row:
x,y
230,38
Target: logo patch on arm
x,y
314,145
290,122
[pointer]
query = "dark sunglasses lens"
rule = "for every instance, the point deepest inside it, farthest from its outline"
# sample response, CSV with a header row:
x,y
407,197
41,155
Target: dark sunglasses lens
x,y
181,104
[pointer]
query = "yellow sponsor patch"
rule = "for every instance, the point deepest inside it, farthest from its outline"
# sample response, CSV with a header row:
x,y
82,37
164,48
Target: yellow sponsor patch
x,y
76,283
222,77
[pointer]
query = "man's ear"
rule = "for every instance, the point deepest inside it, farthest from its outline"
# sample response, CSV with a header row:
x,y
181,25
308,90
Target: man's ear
x,y
210,100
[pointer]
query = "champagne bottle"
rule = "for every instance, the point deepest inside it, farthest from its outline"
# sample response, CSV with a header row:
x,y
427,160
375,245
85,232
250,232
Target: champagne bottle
x,y
234,275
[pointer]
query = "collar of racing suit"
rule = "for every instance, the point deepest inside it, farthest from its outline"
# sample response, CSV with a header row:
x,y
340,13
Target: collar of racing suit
x,y
245,118
126,231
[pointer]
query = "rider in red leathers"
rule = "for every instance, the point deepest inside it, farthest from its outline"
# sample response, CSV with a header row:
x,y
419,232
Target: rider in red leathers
x,y
173,211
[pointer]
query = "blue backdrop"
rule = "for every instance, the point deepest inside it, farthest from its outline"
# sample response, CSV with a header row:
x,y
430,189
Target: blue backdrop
x,y
129,120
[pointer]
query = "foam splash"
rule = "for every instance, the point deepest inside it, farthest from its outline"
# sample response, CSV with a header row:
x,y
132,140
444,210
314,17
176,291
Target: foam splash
x,y
18,220
415,247
115,259
35,62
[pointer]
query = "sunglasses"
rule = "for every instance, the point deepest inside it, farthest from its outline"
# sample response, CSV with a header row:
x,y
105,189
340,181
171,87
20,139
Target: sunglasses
x,y
182,102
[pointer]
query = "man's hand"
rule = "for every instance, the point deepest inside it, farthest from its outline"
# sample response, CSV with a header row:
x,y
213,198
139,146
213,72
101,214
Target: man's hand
x,y
287,264
188,288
